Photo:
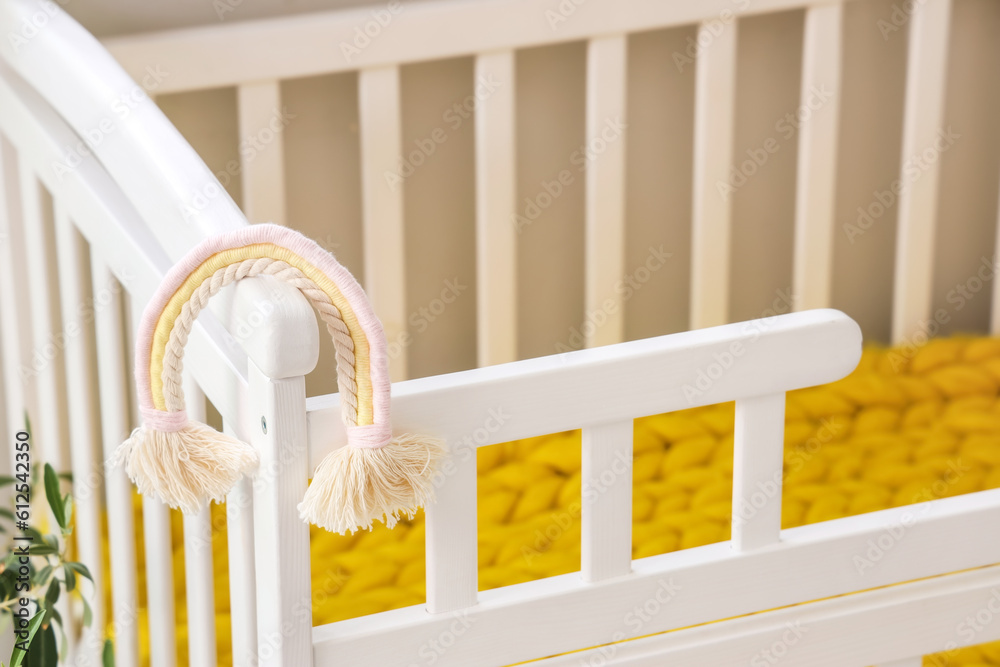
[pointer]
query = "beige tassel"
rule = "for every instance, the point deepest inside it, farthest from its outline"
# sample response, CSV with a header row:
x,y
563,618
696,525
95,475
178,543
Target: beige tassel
x,y
185,468
354,486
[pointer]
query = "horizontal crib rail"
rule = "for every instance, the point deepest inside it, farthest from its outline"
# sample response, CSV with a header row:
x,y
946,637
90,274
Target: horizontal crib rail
x,y
685,588
313,43
914,619
584,388
600,390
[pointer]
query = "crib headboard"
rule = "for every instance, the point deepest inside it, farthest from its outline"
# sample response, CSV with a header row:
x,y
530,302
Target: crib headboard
x,y
814,235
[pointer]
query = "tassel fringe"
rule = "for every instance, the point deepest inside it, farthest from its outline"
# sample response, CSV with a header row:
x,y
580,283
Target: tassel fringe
x,y
353,487
185,468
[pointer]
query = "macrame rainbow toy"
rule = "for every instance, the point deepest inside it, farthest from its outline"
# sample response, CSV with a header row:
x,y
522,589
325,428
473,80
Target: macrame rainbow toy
x,y
375,477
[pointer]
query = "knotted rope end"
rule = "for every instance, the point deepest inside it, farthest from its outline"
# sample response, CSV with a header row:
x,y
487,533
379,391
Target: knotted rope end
x,y
359,484
185,466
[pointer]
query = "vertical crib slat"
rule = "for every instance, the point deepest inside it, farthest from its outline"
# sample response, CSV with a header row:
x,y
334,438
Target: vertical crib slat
x,y
115,428
606,543
605,193
14,320
452,538
242,584
757,471
817,159
927,55
49,431
715,83
261,123
281,538
496,205
158,545
382,203
81,411
995,303
199,579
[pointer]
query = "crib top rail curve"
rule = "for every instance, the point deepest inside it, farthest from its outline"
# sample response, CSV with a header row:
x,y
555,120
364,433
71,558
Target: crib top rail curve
x,y
136,189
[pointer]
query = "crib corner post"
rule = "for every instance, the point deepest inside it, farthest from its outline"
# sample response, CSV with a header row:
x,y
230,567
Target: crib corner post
x,y
281,539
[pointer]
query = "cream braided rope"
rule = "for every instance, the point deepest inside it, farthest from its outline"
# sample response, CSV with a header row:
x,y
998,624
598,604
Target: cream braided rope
x,y
173,359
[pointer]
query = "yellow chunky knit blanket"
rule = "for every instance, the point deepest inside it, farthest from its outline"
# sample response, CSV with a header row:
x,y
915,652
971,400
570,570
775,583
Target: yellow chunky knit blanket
x,y
909,425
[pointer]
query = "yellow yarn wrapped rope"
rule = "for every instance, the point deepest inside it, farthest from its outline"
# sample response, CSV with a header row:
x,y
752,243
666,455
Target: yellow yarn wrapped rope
x,y
903,428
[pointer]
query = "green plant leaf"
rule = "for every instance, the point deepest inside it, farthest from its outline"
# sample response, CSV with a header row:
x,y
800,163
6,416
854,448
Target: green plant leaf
x,y
6,480
8,583
42,575
88,613
70,577
108,656
52,595
68,511
80,569
7,513
17,657
53,496
44,651
42,550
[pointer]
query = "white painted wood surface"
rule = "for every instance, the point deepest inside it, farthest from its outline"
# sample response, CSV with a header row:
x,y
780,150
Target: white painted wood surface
x,y
638,378
699,585
44,363
920,167
452,533
606,518
109,332
242,574
172,194
382,184
262,156
604,264
281,538
758,471
88,483
715,92
199,580
15,325
816,171
857,630
125,247
177,196
496,210
158,543
995,297
310,44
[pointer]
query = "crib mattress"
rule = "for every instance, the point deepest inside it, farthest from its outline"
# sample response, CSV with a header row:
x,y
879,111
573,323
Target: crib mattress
x,y
908,426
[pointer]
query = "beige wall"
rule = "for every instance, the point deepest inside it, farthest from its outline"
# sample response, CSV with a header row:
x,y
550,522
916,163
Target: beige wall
x,y
323,183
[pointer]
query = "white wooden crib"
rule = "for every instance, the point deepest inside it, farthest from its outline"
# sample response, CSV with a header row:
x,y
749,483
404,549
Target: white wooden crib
x,y
100,225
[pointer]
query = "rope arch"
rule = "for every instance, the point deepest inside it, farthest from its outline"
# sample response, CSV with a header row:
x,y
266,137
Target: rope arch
x,y
173,360
376,477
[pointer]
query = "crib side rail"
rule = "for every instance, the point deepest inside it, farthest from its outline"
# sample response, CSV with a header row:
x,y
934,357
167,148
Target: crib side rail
x,y
377,41
81,255
602,390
